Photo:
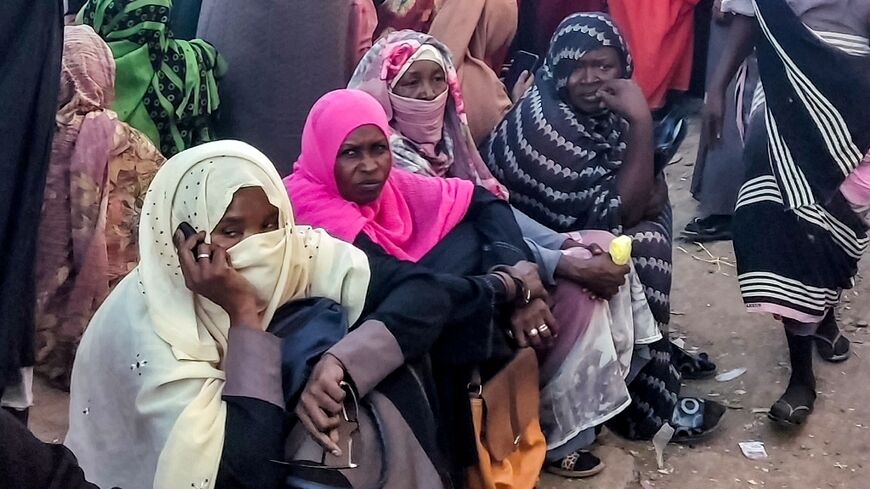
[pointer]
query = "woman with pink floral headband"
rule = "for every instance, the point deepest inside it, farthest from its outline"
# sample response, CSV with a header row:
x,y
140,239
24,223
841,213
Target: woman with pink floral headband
x,y
430,128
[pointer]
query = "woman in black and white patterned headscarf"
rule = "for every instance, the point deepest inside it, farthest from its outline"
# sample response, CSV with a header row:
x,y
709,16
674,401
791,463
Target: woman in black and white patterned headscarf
x,y
576,152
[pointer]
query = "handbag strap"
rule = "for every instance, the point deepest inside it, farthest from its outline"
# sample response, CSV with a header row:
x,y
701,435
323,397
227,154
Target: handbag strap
x,y
475,384
475,391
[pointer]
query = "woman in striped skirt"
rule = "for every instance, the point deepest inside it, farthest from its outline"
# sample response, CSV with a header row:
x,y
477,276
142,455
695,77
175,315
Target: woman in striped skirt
x,y
797,232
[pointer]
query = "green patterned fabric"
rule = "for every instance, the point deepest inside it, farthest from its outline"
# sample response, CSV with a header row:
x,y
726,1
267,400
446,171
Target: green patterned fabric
x,y
166,88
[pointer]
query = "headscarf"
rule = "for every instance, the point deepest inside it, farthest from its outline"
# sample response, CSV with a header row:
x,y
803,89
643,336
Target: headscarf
x,y
165,87
479,34
421,122
456,155
146,391
98,173
413,212
561,165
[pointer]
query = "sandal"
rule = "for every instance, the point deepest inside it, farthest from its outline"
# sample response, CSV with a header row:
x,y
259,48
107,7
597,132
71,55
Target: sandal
x,y
787,415
692,368
696,419
832,345
579,465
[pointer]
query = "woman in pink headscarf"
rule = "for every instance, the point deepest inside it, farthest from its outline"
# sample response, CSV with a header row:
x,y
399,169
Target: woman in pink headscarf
x,y
344,182
99,171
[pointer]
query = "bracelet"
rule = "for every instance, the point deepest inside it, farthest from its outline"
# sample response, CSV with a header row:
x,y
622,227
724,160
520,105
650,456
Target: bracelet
x,y
522,295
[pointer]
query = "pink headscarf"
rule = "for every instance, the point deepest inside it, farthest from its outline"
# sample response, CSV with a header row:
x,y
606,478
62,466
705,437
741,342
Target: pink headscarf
x,y
412,214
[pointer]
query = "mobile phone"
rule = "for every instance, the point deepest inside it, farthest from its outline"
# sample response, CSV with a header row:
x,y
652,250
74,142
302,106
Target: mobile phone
x,y
187,230
523,61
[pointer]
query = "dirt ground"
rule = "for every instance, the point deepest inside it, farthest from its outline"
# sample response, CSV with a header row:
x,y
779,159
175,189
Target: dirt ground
x,y
830,452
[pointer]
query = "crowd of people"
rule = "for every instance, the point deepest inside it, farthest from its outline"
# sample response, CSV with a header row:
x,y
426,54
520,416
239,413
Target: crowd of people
x,y
397,271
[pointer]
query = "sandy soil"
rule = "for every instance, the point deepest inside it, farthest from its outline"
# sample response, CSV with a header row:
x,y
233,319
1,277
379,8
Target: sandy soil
x,y
830,452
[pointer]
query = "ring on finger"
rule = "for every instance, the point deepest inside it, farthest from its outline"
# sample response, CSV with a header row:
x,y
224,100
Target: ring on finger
x,y
543,328
203,255
533,332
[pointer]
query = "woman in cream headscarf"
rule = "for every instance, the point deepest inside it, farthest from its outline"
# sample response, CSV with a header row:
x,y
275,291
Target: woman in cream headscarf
x,y
178,381
146,404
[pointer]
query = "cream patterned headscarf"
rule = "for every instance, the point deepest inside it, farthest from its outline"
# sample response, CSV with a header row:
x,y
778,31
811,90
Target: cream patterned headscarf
x,y
145,405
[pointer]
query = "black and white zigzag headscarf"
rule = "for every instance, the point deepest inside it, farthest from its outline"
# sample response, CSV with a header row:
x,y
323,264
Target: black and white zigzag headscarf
x,y
558,164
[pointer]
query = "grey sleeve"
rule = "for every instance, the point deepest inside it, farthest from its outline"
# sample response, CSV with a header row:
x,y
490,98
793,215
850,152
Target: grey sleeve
x,y
544,243
253,366
537,232
547,261
369,354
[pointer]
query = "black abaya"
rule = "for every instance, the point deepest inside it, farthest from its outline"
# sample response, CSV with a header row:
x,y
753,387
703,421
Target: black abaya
x,y
31,40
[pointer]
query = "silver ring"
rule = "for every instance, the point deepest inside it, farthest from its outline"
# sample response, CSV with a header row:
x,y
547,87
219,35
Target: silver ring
x,y
533,332
203,255
543,328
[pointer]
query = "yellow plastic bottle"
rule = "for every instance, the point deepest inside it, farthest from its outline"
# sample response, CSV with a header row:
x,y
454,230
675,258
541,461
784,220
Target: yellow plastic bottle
x,y
620,250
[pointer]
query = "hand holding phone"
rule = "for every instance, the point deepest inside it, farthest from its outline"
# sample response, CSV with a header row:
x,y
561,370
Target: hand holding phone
x,y
208,273
523,61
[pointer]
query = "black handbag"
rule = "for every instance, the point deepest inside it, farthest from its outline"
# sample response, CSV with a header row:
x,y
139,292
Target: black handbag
x,y
307,328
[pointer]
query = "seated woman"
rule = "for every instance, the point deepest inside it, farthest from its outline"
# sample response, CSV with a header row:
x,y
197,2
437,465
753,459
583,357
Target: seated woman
x,y
576,153
479,33
403,209
99,171
177,384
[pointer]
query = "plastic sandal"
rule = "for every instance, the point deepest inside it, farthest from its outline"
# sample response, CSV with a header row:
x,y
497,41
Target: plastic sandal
x,y
786,415
835,351
692,368
696,419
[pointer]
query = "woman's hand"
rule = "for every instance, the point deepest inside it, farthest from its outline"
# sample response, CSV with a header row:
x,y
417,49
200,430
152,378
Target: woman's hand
x,y
208,272
626,99
528,273
319,407
524,82
571,243
534,325
712,119
598,275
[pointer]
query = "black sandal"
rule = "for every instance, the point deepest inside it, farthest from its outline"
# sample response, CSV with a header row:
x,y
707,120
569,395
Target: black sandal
x,y
579,465
834,348
787,415
692,368
695,419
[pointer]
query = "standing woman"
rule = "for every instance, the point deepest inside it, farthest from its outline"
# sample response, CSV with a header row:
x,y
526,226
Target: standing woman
x,y
796,235
165,87
31,40
719,170
100,169
660,35
478,34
